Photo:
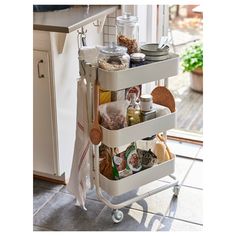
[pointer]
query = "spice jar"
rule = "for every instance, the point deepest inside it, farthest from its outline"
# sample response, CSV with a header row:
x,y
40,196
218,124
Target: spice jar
x,y
113,58
127,32
146,102
137,59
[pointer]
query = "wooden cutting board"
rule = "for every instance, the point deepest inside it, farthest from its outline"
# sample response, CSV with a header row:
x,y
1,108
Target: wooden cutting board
x,y
162,96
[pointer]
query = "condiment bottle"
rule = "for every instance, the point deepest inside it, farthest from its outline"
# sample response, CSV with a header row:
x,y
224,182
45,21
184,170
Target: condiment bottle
x,y
133,111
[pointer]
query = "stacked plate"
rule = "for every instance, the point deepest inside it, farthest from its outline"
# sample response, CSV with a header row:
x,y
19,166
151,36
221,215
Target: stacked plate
x,y
153,53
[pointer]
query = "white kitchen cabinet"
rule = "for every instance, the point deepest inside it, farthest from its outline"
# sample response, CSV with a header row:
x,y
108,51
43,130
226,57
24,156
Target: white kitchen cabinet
x,y
55,94
43,118
55,100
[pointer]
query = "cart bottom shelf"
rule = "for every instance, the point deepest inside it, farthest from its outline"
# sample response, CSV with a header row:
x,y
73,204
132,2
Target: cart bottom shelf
x,y
118,187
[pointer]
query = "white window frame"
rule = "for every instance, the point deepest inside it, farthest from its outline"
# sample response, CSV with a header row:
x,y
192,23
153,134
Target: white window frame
x,y
154,24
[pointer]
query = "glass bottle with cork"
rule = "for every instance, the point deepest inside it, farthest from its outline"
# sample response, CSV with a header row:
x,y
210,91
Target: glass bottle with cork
x,y
133,111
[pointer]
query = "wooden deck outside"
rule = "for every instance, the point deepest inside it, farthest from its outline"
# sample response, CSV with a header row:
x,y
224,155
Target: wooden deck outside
x,y
189,104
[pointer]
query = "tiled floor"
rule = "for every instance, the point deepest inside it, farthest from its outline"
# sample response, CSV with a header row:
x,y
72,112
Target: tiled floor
x,y
54,207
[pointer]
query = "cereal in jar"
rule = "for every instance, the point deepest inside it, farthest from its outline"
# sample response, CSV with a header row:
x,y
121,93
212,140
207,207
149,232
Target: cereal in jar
x,y
127,32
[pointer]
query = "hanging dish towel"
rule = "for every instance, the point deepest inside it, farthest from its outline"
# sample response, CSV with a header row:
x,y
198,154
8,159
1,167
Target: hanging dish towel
x,y
80,171
80,166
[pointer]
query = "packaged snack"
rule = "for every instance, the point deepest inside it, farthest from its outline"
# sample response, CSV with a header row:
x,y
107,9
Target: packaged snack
x,y
119,166
134,162
148,158
113,115
105,161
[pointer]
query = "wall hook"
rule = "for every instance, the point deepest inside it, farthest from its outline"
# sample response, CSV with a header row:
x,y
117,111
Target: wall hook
x,y
100,23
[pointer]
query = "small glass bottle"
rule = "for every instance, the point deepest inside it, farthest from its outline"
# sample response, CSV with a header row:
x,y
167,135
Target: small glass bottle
x,y
133,111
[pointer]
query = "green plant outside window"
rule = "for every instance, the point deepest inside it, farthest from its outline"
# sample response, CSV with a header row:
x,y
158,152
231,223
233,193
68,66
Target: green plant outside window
x,y
192,57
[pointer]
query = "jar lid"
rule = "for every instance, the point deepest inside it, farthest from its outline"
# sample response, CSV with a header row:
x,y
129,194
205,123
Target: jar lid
x,y
146,97
127,18
114,50
138,56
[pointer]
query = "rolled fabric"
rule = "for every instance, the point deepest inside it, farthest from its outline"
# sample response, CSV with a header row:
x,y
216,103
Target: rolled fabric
x,y
167,148
159,149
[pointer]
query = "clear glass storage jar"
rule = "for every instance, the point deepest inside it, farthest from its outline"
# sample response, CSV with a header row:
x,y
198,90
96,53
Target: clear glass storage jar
x,y
127,29
113,58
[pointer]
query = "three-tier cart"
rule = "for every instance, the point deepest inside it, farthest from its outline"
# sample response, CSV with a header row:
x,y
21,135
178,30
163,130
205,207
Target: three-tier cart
x,y
117,80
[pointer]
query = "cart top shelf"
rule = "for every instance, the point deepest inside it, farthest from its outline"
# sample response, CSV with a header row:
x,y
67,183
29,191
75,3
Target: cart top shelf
x,y
117,80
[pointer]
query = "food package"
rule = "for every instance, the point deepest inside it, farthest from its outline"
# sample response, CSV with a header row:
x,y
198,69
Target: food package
x,y
148,158
105,161
119,166
113,114
104,96
134,162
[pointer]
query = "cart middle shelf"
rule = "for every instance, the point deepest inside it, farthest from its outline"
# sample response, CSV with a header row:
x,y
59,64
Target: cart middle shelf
x,y
116,138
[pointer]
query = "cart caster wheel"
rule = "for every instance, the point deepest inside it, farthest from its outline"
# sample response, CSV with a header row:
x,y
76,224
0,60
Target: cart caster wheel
x,y
176,190
117,216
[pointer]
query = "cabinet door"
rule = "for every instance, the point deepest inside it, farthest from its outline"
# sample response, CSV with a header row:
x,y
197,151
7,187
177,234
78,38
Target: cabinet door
x,y
43,143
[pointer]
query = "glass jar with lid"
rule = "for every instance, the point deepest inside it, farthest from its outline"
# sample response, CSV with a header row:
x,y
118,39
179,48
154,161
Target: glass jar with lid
x,y
113,58
128,32
137,59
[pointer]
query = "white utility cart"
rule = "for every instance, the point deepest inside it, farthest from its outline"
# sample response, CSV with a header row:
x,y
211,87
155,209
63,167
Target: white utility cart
x,y
117,80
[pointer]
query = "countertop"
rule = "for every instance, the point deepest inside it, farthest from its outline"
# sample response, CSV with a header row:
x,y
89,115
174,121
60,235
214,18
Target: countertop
x,y
71,19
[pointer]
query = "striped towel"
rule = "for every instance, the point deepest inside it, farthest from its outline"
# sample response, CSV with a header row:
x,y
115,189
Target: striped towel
x,y
80,171
79,181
